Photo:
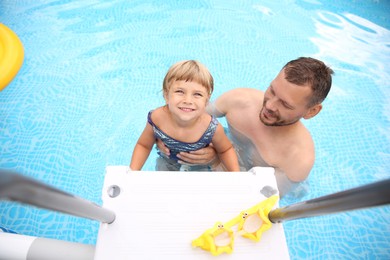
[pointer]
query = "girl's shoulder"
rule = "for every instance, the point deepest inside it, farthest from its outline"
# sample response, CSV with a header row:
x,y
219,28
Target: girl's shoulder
x,y
158,115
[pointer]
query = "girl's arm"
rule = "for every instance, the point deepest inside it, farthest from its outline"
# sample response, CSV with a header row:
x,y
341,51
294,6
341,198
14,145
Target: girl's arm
x,y
142,148
225,150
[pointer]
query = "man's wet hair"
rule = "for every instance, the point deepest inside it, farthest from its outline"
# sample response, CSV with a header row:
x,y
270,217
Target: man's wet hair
x,y
313,72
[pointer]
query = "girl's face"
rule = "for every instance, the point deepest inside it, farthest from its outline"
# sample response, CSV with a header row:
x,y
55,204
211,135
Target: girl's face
x,y
186,100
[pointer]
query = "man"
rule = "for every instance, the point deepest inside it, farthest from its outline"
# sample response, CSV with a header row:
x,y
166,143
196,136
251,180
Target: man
x,y
265,128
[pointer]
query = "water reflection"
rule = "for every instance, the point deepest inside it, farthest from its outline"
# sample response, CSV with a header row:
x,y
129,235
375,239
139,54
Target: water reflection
x,y
356,41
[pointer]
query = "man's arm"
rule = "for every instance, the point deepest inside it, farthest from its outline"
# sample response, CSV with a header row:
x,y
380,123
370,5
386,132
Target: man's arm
x,y
289,179
230,101
296,172
213,110
299,162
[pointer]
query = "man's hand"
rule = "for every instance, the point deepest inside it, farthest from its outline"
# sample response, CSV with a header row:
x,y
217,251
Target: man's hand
x,y
161,146
204,156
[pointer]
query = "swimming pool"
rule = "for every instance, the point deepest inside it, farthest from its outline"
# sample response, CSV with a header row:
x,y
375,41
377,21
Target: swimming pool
x,y
93,69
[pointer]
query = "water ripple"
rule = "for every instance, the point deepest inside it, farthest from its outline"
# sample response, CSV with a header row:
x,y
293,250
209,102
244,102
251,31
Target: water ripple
x,y
354,40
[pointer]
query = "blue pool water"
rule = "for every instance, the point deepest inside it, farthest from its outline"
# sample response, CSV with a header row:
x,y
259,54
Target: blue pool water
x,y
93,69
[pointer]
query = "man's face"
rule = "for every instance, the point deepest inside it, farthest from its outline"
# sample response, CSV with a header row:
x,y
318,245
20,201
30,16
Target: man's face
x,y
284,103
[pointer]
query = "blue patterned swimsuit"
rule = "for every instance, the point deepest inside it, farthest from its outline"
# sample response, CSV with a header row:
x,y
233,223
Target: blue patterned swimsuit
x,y
176,146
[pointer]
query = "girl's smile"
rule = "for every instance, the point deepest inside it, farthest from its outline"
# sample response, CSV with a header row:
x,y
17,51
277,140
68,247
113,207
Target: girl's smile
x,y
187,100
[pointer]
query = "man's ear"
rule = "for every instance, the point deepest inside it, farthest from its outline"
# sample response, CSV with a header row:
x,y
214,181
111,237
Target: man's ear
x,y
313,111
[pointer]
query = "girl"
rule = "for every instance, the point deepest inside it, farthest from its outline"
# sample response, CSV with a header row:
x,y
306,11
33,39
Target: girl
x,y
183,123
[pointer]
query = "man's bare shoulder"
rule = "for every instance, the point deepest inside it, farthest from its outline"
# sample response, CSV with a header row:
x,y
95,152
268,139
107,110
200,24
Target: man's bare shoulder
x,y
239,97
245,93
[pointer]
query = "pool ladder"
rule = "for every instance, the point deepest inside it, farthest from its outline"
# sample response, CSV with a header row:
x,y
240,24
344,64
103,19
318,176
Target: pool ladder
x,y
19,188
16,187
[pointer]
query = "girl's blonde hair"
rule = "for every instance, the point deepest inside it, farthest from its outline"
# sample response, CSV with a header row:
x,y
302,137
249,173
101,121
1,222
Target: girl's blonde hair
x,y
189,70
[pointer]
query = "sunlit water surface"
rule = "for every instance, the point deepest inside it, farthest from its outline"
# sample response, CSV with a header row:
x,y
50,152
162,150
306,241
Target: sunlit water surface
x,y
93,69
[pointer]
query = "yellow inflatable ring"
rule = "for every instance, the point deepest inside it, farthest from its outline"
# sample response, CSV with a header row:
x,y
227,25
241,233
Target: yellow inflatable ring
x,y
11,55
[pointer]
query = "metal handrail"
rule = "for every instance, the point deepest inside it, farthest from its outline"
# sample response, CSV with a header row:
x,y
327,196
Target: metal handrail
x,y
16,187
371,195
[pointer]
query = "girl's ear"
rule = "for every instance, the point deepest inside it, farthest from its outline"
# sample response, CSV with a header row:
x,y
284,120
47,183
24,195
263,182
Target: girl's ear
x,y
313,111
166,96
208,100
